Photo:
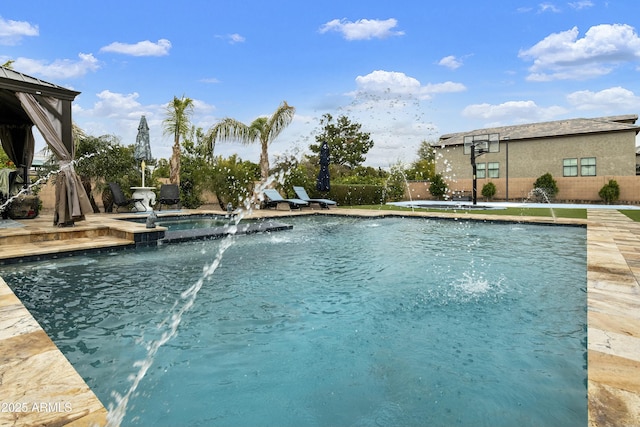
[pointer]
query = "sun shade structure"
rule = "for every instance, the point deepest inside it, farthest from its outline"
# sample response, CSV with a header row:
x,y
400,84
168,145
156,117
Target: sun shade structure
x,y
26,101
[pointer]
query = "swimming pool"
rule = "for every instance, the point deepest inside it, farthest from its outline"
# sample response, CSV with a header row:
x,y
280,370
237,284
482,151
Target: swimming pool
x,y
339,321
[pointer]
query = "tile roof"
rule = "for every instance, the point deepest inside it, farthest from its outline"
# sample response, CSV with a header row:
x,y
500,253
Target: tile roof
x,y
551,129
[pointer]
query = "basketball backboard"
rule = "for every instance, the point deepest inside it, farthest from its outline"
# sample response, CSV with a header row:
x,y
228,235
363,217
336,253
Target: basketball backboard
x,y
484,143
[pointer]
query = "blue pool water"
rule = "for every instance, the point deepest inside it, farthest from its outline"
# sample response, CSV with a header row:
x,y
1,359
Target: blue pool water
x,y
340,321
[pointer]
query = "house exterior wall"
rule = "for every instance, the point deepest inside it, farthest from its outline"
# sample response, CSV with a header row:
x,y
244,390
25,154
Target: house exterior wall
x,y
528,159
615,154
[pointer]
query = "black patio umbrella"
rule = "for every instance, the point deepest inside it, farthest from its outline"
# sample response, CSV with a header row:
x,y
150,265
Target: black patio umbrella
x,y
323,183
143,145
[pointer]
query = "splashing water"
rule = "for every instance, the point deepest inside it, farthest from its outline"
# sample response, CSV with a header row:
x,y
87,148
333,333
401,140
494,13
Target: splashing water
x,y
473,287
181,307
400,169
540,193
27,189
187,298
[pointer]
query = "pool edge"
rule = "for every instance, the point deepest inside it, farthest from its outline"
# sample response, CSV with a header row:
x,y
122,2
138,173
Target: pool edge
x,y
613,307
39,384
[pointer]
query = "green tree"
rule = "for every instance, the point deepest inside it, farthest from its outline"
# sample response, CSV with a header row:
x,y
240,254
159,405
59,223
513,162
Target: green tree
x,y
610,192
177,123
438,187
4,158
162,169
348,144
263,130
295,171
232,180
426,151
195,170
547,184
396,183
425,167
105,160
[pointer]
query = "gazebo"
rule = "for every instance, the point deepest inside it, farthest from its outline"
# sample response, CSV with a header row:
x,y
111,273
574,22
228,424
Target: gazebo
x,y
26,101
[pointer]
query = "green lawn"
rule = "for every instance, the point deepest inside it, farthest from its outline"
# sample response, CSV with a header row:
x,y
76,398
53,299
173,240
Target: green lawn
x,y
545,212
633,214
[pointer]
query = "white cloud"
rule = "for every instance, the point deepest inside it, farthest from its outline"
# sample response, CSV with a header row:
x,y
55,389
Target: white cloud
x,y
231,38
392,84
12,32
511,112
119,114
582,4
548,7
236,38
363,29
112,104
563,55
612,99
143,48
58,69
450,62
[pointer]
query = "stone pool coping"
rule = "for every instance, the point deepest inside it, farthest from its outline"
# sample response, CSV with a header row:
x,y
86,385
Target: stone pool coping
x,y
35,375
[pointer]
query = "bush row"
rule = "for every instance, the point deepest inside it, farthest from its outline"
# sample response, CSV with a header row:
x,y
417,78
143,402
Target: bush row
x,y
356,194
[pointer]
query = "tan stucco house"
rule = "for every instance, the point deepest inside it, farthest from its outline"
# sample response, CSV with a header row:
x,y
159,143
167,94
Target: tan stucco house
x,y
581,155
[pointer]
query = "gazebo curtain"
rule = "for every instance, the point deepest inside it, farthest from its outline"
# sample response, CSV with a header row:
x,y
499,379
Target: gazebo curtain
x,y
71,199
18,143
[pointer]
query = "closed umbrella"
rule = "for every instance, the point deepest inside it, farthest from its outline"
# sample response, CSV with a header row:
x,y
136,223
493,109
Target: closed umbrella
x,y
323,183
142,151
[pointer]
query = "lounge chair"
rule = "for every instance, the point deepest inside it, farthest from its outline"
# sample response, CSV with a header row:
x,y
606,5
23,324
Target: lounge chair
x,y
120,200
302,194
275,199
169,195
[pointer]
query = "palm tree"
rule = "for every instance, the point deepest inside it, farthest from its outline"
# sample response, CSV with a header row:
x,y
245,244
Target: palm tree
x,y
177,124
263,129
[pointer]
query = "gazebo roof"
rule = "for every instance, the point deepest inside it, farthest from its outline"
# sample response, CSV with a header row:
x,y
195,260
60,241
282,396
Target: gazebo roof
x,y
16,81
11,81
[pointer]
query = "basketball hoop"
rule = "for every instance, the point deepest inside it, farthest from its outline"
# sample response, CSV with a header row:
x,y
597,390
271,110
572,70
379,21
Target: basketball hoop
x,y
477,145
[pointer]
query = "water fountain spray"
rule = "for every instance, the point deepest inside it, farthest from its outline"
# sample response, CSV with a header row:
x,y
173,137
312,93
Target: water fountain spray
x,y
44,179
183,305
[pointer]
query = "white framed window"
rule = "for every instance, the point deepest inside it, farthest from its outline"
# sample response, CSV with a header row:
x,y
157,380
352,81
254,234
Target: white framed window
x,y
481,170
570,167
493,169
588,166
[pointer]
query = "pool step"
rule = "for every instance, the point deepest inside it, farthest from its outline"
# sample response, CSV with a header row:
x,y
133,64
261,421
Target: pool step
x,y
39,239
36,251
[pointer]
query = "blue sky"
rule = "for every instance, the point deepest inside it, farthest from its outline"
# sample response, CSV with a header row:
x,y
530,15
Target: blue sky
x,y
407,70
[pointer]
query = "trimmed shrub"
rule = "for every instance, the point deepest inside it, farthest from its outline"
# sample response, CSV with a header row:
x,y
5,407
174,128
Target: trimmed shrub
x,y
610,192
438,187
357,194
547,184
489,190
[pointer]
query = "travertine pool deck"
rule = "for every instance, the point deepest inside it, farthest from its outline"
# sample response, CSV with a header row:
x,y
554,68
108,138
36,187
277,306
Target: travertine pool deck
x,y
39,387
